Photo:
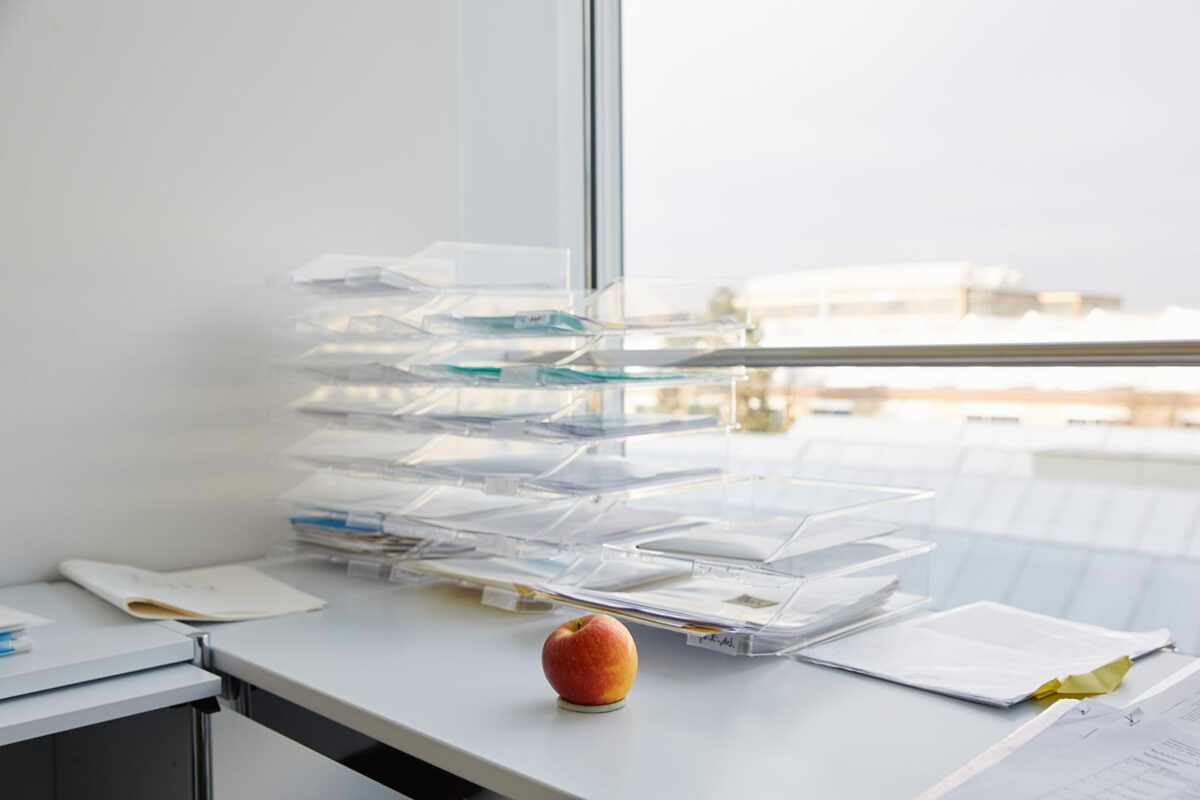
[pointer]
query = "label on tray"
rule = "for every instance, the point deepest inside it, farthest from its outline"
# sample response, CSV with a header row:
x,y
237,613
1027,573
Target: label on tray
x,y
727,643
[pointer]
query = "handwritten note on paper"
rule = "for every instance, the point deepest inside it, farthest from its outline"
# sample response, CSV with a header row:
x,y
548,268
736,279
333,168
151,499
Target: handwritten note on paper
x,y
227,593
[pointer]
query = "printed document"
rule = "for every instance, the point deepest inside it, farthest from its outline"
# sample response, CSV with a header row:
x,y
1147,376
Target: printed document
x,y
985,652
1085,749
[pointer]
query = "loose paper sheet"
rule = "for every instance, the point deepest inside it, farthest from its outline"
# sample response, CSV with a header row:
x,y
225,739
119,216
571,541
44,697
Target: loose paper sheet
x,y
1088,749
14,619
986,652
232,592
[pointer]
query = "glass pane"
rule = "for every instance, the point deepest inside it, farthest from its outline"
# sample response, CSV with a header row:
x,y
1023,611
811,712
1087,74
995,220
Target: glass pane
x,y
926,171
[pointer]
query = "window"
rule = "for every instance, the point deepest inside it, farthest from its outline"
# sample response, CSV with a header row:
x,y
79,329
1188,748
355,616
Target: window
x,y
995,173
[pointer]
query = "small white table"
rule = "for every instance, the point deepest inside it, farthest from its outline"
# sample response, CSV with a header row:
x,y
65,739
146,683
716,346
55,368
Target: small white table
x,y
94,663
430,672
87,639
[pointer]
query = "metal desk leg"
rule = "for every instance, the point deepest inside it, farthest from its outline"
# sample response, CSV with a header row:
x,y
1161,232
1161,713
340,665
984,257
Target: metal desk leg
x,y
201,753
202,783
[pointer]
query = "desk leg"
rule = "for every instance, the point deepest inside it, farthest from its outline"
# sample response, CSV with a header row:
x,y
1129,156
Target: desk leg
x,y
202,782
201,754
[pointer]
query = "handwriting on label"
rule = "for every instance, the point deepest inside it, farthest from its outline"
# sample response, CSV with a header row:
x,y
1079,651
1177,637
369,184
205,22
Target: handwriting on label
x,y
721,642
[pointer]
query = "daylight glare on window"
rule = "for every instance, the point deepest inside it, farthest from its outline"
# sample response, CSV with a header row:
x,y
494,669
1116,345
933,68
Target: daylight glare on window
x,y
936,171
934,158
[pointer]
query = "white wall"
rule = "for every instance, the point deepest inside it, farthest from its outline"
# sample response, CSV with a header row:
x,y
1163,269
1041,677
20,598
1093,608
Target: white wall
x,y
521,140
158,162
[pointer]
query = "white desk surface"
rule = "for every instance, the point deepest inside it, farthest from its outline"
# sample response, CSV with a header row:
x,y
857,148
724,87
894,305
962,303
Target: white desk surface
x,y
44,713
430,671
87,639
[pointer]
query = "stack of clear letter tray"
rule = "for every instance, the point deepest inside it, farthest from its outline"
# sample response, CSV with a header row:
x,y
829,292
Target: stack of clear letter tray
x,y
476,418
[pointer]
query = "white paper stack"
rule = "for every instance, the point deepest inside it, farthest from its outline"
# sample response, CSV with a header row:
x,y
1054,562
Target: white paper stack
x,y
986,652
375,546
697,602
14,630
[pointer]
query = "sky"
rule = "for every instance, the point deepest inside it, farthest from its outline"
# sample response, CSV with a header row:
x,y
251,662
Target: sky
x,y
1059,137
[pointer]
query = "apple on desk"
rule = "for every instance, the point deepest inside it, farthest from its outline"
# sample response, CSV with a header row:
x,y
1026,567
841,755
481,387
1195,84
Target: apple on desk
x,y
590,661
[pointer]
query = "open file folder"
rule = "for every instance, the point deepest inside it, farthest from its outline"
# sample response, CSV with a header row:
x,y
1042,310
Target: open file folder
x,y
225,593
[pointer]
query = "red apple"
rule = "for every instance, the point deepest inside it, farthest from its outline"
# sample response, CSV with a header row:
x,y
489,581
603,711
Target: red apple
x,y
590,661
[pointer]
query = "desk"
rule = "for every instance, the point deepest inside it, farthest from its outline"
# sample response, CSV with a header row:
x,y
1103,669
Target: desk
x,y
429,671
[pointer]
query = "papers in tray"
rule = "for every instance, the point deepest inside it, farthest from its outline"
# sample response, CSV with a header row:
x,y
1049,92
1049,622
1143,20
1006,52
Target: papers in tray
x,y
232,592
584,475
584,523
539,415
379,547
535,427
668,595
789,609
13,619
596,426
985,652
501,573
766,540
524,573
496,467
537,375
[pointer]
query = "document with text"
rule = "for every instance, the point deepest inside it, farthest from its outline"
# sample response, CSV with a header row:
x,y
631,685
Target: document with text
x,y
1090,750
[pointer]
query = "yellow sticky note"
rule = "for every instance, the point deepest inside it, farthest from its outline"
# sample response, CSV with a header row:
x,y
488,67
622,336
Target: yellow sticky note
x,y
1099,681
